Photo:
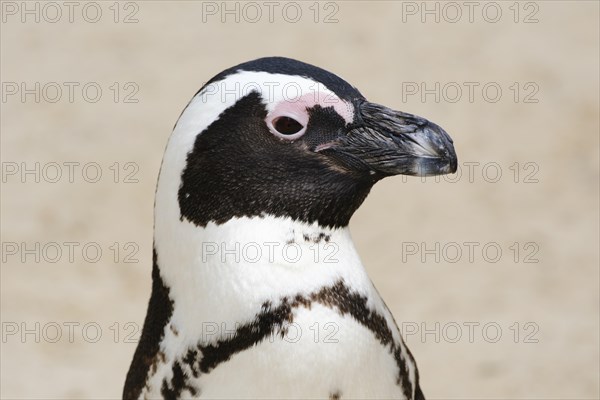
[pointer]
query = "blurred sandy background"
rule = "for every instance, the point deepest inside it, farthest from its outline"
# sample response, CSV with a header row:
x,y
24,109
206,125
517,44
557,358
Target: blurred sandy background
x,y
380,47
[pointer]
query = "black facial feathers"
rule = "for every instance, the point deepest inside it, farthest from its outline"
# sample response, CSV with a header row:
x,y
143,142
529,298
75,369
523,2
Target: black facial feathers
x,y
238,168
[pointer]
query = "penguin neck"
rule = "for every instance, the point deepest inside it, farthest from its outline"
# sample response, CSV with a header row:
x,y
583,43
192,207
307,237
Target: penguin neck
x,y
253,253
224,273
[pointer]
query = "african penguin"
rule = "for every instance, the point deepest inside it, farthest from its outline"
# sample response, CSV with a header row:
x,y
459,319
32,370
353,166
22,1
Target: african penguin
x,y
258,290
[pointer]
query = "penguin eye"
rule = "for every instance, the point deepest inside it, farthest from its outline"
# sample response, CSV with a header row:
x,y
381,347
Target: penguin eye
x,y
288,121
287,126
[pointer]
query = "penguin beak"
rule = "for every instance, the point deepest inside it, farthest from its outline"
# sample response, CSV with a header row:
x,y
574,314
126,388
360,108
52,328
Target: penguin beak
x,y
388,142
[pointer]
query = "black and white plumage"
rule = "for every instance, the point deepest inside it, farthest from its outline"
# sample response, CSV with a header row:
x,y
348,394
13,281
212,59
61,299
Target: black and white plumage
x,y
274,153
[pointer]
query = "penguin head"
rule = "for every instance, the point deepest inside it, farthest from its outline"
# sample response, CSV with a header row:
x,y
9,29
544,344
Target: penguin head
x,y
280,137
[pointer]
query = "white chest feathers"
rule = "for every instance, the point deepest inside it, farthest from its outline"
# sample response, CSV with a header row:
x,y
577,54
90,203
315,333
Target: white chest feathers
x,y
273,308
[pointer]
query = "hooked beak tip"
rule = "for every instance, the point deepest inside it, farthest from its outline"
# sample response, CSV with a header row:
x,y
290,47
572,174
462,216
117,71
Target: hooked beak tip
x,y
432,150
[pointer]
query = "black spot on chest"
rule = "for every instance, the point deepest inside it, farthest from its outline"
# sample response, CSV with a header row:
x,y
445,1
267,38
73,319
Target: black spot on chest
x,y
272,320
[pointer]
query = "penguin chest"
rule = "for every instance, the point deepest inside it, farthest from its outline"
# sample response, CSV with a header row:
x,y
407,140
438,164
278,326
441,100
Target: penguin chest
x,y
319,353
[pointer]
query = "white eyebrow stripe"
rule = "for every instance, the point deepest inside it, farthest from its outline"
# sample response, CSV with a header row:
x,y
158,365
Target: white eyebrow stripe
x,y
273,89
